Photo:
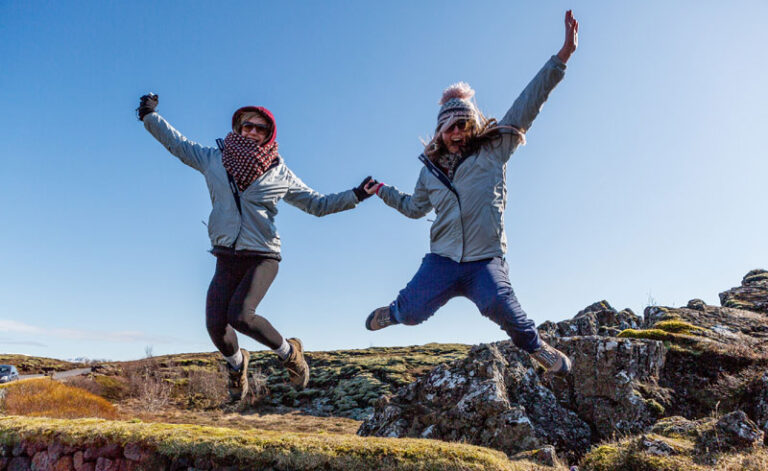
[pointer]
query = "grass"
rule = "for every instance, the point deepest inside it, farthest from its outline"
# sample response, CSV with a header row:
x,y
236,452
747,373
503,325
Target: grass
x,y
344,383
628,455
258,449
45,397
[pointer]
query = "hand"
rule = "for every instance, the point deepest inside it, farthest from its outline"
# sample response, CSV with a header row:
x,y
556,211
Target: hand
x,y
362,191
147,105
571,37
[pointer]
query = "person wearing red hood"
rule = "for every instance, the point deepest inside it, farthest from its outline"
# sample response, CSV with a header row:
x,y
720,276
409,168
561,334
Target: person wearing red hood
x,y
246,177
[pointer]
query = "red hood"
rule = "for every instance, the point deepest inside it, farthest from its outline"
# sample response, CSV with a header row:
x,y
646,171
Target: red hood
x,y
259,109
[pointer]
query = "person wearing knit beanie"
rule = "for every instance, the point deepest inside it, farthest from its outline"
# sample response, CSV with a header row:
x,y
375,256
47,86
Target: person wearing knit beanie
x,y
464,180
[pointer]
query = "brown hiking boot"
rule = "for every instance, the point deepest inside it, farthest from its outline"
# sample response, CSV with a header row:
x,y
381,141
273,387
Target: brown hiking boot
x,y
555,361
298,370
379,319
238,379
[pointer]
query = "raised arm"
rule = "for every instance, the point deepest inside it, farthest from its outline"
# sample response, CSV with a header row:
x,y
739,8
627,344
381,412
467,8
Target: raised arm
x,y
189,152
527,106
413,206
314,203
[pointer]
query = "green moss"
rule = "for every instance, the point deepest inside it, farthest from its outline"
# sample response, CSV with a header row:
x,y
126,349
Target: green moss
x,y
756,277
631,455
677,327
655,407
602,458
258,449
659,334
653,334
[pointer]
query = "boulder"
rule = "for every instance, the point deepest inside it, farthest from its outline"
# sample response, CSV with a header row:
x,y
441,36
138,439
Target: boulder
x,y
596,319
613,386
751,295
733,431
492,398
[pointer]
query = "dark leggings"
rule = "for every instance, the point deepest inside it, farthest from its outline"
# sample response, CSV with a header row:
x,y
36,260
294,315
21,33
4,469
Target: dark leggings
x,y
237,288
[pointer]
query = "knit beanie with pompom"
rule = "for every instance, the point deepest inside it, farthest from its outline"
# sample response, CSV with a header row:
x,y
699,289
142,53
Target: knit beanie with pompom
x,y
456,104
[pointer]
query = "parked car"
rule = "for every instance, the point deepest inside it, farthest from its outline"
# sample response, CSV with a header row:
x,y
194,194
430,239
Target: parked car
x,y
8,373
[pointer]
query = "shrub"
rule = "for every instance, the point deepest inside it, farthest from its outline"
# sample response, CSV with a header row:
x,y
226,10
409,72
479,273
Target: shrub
x,y
205,389
145,384
49,398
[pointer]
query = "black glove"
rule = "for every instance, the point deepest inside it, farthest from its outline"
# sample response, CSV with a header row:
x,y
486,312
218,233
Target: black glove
x,y
360,190
147,105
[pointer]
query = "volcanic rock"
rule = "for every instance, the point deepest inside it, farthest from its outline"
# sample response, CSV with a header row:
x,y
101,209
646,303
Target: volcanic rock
x,y
751,295
493,398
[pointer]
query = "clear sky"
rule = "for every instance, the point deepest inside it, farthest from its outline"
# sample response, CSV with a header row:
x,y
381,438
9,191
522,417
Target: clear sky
x,y
643,181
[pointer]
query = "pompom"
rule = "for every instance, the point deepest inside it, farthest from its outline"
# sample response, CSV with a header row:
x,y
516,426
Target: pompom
x,y
460,90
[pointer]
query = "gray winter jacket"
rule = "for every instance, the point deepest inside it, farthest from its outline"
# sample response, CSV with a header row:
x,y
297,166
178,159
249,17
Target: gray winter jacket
x,y
469,210
255,230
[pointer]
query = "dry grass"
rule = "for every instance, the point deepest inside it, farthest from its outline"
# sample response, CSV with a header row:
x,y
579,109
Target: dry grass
x,y
626,455
293,421
153,392
205,389
48,398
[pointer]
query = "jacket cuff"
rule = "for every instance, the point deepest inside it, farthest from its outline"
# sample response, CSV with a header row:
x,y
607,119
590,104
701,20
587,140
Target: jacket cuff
x,y
557,62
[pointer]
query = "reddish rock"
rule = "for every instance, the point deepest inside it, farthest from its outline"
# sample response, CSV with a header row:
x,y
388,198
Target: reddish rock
x,y
133,452
55,451
91,454
111,451
40,461
106,464
88,466
18,449
127,465
78,460
33,448
64,464
19,463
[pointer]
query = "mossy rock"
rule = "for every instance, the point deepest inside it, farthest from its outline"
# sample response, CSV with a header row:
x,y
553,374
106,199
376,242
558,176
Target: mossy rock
x,y
262,449
676,326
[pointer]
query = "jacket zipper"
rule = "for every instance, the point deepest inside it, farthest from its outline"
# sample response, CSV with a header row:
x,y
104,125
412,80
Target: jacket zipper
x,y
440,175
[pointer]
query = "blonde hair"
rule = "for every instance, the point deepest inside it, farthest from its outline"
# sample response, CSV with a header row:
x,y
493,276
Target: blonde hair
x,y
483,131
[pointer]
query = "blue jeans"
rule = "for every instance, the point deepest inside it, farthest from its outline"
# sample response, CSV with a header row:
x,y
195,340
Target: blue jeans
x,y
484,282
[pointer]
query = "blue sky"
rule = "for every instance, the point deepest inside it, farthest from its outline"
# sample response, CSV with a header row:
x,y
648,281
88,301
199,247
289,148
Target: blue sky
x,y
643,180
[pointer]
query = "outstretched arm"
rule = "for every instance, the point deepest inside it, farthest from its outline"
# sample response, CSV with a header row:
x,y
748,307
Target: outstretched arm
x,y
529,103
413,206
189,152
314,203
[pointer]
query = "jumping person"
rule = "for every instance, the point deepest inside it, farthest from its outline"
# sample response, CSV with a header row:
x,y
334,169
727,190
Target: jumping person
x,y
246,178
464,180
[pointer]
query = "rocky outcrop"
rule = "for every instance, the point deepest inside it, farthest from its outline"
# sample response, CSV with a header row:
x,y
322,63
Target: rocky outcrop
x,y
596,319
493,398
717,352
614,383
733,431
628,373
752,295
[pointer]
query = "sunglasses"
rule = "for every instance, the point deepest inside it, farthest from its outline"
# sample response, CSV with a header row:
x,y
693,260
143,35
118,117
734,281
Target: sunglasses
x,y
249,126
461,125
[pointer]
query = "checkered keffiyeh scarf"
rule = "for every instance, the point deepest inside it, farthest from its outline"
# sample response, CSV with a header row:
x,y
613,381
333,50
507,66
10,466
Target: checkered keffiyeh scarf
x,y
245,160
